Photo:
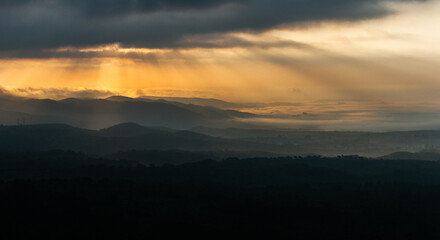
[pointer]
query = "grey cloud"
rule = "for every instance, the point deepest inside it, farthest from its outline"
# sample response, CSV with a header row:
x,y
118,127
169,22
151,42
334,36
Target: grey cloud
x,y
61,93
35,25
74,54
203,41
109,8
112,8
225,41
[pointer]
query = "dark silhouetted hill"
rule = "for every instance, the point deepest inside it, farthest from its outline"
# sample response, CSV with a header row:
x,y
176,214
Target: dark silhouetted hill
x,y
121,137
132,130
71,195
160,157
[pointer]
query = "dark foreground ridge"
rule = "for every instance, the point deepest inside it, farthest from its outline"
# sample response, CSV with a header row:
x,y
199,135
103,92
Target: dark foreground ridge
x,y
64,194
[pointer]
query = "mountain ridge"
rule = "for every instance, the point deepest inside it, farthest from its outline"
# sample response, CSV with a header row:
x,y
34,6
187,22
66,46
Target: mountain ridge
x,y
121,137
100,113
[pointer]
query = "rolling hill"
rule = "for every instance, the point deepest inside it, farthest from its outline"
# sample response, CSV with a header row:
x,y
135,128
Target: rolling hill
x,y
120,137
101,113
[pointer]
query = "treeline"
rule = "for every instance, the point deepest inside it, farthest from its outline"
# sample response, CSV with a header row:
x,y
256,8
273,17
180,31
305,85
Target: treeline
x,y
62,194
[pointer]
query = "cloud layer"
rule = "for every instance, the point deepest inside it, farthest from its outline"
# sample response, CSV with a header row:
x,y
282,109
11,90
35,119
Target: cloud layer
x,y
33,26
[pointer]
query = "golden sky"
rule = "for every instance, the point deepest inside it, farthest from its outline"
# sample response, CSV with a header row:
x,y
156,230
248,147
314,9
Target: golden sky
x,y
390,60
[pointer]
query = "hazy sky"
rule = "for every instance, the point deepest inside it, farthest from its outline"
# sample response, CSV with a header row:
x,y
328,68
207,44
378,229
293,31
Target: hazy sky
x,y
359,55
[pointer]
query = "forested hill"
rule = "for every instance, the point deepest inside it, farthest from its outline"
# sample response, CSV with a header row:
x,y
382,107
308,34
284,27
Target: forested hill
x,y
53,193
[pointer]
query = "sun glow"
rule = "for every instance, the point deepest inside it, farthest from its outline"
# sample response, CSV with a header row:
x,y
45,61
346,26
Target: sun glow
x,y
388,59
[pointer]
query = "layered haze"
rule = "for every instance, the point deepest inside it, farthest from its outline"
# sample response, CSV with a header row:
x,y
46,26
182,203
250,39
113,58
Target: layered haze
x,y
329,65
258,119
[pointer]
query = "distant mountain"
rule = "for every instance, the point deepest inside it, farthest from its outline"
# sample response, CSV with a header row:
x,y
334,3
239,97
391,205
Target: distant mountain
x,y
122,99
334,143
131,130
211,108
100,113
427,155
22,118
118,138
211,102
239,132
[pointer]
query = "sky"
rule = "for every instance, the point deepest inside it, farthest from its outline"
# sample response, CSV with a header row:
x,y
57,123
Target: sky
x,y
356,64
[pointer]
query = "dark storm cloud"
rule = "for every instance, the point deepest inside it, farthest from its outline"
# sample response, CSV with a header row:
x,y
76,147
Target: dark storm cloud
x,y
120,6
112,8
30,25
